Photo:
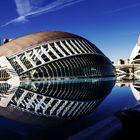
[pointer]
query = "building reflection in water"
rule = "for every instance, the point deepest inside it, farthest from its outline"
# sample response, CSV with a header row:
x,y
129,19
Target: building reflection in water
x,y
135,88
37,101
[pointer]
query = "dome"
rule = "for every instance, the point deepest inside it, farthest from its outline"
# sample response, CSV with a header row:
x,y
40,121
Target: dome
x,y
28,41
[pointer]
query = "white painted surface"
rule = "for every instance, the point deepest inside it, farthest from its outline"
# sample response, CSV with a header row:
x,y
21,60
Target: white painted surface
x,y
5,64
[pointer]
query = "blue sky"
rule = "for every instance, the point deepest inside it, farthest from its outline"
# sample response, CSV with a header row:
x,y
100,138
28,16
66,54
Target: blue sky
x,y
112,25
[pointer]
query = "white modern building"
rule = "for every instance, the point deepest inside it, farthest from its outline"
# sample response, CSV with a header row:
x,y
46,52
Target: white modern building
x,y
135,55
53,55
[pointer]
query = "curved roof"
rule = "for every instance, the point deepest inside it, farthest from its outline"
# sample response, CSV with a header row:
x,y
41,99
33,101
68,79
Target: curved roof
x,y
135,52
28,41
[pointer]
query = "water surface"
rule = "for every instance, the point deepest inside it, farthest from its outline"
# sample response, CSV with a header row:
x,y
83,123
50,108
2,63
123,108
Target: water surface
x,y
61,109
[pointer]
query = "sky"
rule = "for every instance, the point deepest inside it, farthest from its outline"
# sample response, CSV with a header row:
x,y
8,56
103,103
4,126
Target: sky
x,y
112,25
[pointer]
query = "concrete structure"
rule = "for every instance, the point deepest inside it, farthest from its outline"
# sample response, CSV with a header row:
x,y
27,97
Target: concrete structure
x,y
8,72
127,62
119,62
123,68
54,55
130,67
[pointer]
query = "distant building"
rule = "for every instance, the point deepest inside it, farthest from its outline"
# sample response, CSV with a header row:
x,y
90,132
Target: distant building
x,y
126,62
119,62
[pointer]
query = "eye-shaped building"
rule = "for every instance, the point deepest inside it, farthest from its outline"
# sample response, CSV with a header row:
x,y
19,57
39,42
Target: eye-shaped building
x,y
53,55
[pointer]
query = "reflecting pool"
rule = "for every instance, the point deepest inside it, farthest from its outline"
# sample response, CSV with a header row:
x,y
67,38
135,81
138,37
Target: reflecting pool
x,y
62,109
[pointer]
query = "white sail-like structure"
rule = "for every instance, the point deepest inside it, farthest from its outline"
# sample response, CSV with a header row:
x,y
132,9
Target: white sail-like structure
x,y
135,55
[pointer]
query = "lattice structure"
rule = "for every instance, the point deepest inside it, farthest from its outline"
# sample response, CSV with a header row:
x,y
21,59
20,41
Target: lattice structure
x,y
40,104
56,99
57,58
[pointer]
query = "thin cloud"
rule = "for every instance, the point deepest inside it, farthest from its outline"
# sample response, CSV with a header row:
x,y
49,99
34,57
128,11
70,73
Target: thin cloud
x,y
123,8
57,5
27,8
23,7
21,19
